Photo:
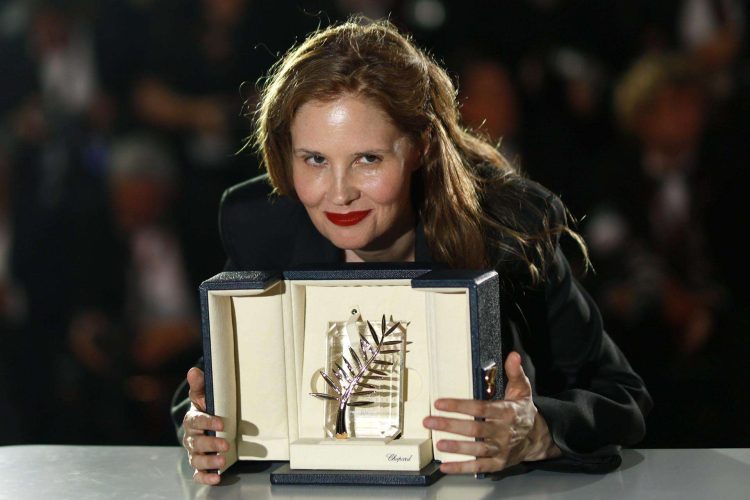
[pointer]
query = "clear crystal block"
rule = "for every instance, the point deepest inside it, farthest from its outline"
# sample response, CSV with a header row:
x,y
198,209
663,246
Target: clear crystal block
x,y
383,418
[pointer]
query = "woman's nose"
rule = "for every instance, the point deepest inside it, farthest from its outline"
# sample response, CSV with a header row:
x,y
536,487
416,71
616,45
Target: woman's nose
x,y
343,190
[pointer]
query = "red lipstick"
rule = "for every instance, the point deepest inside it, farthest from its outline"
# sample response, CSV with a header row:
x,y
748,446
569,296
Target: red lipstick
x,y
347,219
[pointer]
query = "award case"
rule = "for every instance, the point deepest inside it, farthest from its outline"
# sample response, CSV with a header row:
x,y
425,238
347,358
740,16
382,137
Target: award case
x,y
264,344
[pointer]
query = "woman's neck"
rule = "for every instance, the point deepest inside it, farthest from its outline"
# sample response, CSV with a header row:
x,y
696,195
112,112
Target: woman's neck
x,y
402,250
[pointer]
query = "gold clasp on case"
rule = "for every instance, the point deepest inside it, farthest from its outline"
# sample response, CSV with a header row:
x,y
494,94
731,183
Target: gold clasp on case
x,y
489,373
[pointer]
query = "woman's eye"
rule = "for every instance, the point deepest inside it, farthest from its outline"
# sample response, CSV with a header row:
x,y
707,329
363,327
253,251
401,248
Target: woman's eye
x,y
315,160
369,159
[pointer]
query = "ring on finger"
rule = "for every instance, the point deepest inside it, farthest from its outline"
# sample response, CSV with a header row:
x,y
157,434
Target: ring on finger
x,y
491,448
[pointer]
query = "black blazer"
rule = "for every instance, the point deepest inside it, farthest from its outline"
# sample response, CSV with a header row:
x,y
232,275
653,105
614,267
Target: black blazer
x,y
587,392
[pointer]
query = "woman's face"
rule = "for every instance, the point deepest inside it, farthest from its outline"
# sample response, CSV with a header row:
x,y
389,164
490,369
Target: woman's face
x,y
352,171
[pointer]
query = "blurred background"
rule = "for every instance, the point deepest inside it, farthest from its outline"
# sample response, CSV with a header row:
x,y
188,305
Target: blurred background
x,y
119,120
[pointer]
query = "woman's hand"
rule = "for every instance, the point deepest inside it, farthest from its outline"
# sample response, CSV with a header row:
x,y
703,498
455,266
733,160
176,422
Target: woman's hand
x,y
513,431
201,448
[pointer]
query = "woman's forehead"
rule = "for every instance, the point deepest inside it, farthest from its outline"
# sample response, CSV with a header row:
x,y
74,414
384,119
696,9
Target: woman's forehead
x,y
346,118
351,100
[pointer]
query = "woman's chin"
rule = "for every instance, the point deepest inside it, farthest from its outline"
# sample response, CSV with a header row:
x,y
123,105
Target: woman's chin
x,y
349,243
348,237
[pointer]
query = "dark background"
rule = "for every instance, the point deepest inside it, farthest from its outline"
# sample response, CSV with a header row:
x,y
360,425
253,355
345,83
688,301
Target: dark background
x,y
119,124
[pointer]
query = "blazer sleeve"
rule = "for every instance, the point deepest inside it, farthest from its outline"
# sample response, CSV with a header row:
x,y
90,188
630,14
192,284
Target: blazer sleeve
x,y
601,402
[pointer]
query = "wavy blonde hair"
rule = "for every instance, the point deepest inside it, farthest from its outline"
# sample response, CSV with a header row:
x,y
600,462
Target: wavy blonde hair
x,y
373,60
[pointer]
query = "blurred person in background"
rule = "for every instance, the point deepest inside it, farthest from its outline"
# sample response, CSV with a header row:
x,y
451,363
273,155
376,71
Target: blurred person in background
x,y
557,56
190,90
135,322
655,245
665,186
712,32
489,102
55,174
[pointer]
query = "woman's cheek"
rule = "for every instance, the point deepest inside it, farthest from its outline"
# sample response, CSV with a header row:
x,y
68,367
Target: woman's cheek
x,y
385,187
394,192
307,187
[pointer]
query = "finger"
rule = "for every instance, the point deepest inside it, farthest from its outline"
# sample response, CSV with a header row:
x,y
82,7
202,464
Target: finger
x,y
470,428
197,382
476,408
472,448
204,477
518,383
196,422
206,444
207,462
478,466
472,407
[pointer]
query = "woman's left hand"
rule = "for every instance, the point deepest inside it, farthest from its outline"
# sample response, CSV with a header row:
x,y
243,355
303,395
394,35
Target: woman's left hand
x,y
512,431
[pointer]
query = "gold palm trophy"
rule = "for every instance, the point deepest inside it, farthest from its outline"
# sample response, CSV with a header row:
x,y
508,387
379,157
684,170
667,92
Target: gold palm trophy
x,y
364,378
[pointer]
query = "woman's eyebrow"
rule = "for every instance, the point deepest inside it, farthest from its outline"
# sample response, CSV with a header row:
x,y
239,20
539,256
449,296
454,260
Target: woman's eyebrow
x,y
308,151
371,151
358,153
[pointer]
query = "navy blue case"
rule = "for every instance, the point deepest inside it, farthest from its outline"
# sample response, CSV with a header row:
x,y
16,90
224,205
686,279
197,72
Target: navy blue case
x,y
486,350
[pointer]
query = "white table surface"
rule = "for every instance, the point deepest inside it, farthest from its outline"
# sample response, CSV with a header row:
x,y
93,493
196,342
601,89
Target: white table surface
x,y
81,472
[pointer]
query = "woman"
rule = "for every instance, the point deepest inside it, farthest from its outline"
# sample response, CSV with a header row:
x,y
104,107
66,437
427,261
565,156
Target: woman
x,y
359,131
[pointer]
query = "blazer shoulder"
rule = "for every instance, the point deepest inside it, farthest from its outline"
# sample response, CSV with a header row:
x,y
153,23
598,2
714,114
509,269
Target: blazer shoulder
x,y
521,206
534,207
545,201
246,192
257,226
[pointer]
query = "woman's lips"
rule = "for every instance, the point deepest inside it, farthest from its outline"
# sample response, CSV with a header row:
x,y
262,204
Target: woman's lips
x,y
347,219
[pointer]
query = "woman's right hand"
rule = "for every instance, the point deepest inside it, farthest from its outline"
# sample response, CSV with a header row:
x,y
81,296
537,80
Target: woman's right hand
x,y
202,449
